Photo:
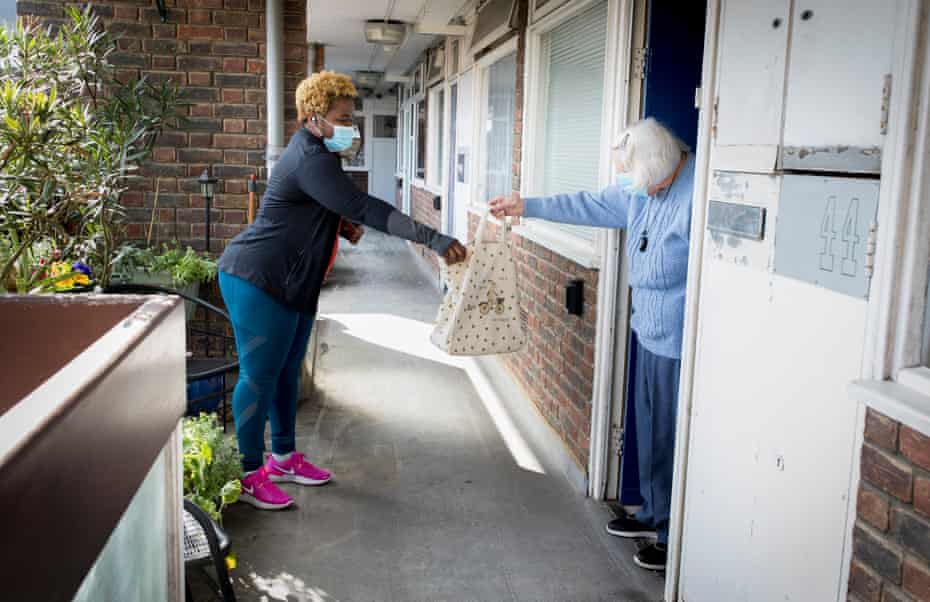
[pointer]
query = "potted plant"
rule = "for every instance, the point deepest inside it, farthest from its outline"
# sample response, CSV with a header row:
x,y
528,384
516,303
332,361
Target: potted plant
x,y
184,270
71,138
211,465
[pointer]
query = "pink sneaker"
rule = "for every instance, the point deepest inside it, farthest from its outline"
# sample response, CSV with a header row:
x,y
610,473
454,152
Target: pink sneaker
x,y
296,469
258,491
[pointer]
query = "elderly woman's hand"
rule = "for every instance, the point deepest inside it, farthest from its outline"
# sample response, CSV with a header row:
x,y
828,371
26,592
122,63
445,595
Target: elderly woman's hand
x,y
504,206
456,253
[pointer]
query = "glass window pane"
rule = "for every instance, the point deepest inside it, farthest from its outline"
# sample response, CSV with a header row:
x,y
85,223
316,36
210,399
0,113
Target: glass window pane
x,y
498,162
575,52
421,139
440,112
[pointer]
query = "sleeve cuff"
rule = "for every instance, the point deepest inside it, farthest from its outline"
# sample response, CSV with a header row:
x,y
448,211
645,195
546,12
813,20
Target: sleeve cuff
x,y
533,206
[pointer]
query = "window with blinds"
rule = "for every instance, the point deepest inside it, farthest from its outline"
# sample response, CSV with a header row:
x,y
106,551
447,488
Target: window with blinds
x,y
498,134
574,54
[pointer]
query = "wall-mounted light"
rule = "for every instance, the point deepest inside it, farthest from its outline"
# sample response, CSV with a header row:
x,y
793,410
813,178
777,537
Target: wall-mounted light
x,y
162,10
207,190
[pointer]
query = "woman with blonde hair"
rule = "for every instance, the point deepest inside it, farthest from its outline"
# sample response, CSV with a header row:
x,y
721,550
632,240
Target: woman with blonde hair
x,y
651,200
272,272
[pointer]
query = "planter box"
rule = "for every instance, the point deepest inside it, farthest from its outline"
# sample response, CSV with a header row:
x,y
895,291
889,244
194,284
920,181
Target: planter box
x,y
90,497
165,280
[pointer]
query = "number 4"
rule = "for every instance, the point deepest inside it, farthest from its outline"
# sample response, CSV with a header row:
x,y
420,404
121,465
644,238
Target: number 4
x,y
828,234
851,238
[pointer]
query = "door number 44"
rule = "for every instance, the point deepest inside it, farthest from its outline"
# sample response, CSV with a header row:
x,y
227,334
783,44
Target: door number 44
x,y
846,236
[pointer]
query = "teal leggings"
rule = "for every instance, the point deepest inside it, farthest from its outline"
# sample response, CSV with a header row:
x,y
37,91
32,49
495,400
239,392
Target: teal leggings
x,y
271,341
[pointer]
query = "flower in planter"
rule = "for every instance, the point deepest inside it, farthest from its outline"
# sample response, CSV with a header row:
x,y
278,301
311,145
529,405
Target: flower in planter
x,y
66,277
80,266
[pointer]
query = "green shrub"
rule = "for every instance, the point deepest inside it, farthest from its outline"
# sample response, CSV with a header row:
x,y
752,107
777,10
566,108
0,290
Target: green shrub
x,y
212,465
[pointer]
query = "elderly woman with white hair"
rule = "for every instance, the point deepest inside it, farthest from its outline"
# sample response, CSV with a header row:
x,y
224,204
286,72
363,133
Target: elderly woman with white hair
x,y
651,200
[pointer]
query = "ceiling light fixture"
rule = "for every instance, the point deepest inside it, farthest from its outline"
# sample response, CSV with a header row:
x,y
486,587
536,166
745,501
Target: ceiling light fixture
x,y
368,79
385,33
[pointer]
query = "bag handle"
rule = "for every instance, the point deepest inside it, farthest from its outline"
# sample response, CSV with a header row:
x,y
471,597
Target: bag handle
x,y
502,231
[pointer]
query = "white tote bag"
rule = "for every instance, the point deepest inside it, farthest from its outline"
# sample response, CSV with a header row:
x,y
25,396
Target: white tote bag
x,y
480,314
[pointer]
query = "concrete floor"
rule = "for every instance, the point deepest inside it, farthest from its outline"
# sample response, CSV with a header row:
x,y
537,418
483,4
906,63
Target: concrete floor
x,y
432,500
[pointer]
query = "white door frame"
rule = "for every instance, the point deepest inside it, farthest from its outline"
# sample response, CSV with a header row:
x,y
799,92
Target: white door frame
x,y
606,352
695,266
409,166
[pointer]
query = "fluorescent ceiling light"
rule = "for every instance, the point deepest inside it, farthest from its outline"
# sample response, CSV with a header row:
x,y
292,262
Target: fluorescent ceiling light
x,y
386,33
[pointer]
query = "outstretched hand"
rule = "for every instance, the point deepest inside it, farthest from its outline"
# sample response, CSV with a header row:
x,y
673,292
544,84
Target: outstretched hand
x,y
456,253
507,206
351,232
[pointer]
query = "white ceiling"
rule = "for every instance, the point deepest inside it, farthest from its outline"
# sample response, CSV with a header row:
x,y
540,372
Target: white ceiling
x,y
339,26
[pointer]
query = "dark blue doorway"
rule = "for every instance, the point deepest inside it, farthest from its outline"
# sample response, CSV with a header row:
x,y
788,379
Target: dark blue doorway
x,y
673,65
675,42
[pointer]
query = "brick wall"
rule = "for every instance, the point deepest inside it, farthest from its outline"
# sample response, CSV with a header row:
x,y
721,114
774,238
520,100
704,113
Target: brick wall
x,y
215,51
891,545
421,208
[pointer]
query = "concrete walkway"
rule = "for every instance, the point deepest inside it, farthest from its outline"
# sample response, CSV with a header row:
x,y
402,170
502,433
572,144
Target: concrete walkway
x,y
436,496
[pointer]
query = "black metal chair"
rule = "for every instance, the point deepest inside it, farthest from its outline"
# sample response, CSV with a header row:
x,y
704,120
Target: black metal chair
x,y
206,543
216,359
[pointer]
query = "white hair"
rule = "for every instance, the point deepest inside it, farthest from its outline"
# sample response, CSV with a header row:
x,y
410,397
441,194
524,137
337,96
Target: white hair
x,y
649,152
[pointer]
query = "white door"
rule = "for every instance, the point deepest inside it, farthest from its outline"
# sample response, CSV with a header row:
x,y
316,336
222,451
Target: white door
x,y
781,331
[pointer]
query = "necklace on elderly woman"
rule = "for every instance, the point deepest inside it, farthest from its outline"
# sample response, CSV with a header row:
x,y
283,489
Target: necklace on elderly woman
x,y
644,237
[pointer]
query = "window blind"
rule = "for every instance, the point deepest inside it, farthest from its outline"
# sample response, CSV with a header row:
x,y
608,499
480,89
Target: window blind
x,y
575,53
498,163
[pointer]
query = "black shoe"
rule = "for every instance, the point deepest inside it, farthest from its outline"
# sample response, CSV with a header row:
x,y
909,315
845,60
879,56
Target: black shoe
x,y
651,557
629,527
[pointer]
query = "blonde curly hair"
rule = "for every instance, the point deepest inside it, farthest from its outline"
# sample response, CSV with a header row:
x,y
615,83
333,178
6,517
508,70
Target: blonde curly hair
x,y
315,95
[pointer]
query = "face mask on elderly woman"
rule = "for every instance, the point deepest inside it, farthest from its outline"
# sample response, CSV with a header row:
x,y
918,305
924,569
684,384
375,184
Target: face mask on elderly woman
x,y
625,181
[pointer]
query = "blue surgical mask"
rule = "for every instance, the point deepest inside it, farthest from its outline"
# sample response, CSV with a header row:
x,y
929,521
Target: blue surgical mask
x,y
341,138
625,182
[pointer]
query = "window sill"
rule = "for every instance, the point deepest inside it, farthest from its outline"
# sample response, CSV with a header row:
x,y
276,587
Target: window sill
x,y
354,169
582,252
421,184
579,251
906,400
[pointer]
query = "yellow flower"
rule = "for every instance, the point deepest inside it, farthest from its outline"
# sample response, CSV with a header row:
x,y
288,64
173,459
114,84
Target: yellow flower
x,y
61,268
231,562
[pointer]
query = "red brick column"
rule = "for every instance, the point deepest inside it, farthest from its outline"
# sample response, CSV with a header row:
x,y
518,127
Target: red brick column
x,y
891,542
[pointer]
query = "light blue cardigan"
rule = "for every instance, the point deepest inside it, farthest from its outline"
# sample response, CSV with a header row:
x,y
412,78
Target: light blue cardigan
x,y
658,275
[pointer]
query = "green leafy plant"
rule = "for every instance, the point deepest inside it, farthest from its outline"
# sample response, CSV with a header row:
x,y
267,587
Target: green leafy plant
x,y
184,266
71,138
211,465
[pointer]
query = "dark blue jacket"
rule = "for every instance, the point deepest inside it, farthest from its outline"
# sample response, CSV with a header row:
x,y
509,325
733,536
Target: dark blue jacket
x,y
285,252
